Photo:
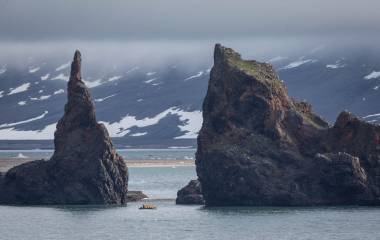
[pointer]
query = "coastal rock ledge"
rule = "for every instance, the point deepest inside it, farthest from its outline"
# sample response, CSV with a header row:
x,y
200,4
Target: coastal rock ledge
x,y
258,146
85,168
191,194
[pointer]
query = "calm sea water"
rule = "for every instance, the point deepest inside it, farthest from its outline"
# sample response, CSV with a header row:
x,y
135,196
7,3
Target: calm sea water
x,y
170,221
129,154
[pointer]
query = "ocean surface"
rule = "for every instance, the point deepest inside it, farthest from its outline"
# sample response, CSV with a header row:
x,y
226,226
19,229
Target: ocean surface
x,y
170,221
128,154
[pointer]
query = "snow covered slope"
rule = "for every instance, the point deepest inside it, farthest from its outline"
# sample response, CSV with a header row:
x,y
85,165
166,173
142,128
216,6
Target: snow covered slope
x,y
160,106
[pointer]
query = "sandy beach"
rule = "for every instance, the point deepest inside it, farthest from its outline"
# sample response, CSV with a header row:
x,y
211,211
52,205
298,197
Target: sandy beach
x,y
7,163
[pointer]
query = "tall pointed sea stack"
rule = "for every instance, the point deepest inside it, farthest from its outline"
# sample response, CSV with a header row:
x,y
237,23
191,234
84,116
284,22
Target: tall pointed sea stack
x,y
258,146
85,168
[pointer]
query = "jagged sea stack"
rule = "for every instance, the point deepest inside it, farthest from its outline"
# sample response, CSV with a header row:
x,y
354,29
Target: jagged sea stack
x,y
258,146
85,168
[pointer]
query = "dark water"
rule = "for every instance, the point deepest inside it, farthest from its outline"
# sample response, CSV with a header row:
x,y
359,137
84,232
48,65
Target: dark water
x,y
170,221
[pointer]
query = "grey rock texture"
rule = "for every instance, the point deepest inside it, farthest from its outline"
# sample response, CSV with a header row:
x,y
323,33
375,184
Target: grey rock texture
x,y
190,194
85,168
258,146
135,196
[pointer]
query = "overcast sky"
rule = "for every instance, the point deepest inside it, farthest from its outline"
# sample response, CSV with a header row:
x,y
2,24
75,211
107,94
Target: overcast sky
x,y
155,30
24,20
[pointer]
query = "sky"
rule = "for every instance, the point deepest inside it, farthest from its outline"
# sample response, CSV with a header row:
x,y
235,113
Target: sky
x,y
24,20
185,23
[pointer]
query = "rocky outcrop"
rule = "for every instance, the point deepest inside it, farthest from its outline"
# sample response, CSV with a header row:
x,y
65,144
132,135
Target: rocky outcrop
x,y
85,168
258,146
135,196
190,194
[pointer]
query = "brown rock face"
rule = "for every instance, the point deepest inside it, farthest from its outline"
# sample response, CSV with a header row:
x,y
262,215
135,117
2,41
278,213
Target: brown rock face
x,y
258,146
85,168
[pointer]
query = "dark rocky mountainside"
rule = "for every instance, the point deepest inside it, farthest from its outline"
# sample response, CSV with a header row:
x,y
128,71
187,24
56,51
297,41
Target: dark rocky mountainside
x,y
85,168
159,103
258,146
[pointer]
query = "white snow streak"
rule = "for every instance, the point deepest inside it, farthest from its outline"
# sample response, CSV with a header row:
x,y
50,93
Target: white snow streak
x,y
43,97
372,75
14,134
114,78
138,134
102,99
297,64
19,89
5,125
92,84
59,91
150,80
192,122
33,70
45,77
199,74
63,66
61,76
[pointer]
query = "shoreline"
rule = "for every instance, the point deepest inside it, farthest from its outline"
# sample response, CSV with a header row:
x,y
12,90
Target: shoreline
x,y
8,163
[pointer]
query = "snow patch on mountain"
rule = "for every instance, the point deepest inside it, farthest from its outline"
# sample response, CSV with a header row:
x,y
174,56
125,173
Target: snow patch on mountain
x,y
61,76
150,73
114,78
372,75
372,115
63,66
139,134
199,74
102,99
92,84
6,125
59,91
297,64
33,69
192,122
150,80
45,77
337,64
41,98
1,94
373,118
22,88
21,103
46,133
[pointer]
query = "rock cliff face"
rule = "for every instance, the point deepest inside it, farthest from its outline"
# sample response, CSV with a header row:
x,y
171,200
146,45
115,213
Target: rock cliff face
x,y
258,146
85,168
190,194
